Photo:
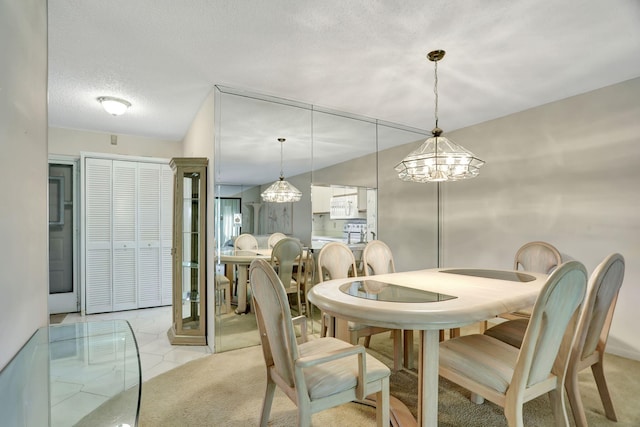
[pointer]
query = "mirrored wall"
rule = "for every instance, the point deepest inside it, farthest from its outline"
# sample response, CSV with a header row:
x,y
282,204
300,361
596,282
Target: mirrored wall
x,y
331,156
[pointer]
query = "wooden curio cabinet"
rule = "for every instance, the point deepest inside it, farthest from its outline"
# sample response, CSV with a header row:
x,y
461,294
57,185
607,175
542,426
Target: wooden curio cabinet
x,y
189,232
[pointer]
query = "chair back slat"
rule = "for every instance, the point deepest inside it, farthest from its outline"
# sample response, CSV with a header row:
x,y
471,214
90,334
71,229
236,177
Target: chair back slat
x,y
275,238
245,242
285,255
377,258
604,286
274,320
335,261
552,326
537,257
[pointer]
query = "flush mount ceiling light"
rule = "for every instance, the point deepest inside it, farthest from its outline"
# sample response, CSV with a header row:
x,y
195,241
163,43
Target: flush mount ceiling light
x,y
438,158
281,191
114,106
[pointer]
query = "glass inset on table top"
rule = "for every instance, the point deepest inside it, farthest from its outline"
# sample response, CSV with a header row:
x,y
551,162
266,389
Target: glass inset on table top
x,y
388,292
513,276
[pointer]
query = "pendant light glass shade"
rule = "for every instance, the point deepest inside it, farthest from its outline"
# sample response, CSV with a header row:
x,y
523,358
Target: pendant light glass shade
x,y
281,191
438,159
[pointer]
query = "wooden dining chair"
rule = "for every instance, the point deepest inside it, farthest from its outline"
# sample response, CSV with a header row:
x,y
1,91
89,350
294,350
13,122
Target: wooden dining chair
x,y
536,257
510,377
337,261
275,238
315,375
286,259
377,258
591,339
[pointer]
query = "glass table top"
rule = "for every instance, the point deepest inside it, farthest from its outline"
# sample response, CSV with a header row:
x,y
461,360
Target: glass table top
x,y
512,276
100,359
381,291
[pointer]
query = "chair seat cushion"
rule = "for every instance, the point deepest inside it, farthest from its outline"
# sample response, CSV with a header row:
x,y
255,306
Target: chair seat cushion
x,y
511,331
481,358
338,375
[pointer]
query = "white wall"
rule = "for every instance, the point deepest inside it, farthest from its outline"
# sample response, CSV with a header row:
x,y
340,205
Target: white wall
x,y
23,210
71,142
198,142
566,173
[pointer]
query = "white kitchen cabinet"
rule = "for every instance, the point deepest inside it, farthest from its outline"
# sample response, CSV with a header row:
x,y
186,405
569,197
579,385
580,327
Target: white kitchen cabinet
x,y
128,215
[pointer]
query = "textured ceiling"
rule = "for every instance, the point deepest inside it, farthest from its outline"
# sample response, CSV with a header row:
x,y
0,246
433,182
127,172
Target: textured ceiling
x,y
362,56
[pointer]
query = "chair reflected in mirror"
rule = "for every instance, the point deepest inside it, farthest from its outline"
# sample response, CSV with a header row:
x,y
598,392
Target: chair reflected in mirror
x,y
275,238
336,261
286,259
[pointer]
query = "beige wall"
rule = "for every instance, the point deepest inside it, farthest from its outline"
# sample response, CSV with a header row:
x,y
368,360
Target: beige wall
x,y
198,142
23,171
23,211
71,143
566,173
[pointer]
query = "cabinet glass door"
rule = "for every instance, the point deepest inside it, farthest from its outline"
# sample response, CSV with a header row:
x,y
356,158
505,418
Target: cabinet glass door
x,y
189,310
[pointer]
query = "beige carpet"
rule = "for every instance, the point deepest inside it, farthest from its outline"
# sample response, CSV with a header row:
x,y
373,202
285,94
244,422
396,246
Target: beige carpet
x,y
226,389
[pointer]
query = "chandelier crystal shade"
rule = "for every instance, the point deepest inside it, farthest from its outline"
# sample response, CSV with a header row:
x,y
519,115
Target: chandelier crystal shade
x,y
438,158
281,191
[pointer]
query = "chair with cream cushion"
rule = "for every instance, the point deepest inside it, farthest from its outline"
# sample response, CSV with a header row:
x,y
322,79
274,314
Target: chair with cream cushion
x,y
275,238
337,261
286,259
510,377
317,374
591,339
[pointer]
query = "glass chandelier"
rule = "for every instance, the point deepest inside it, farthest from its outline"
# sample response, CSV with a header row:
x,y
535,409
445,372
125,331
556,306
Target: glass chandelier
x,y
438,158
281,191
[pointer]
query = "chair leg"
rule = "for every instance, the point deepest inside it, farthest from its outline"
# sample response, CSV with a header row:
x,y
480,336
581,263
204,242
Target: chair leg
x,y
268,400
397,349
575,401
454,333
601,382
513,413
557,407
367,341
408,348
382,404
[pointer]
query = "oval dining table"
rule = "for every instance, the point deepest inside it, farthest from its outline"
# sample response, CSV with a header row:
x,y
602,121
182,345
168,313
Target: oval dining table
x,y
429,301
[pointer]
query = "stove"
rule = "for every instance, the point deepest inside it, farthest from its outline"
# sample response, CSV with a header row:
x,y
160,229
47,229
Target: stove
x,y
355,231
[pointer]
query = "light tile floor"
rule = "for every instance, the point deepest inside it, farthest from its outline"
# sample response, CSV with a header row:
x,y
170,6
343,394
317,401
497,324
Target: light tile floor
x,y
87,388
150,326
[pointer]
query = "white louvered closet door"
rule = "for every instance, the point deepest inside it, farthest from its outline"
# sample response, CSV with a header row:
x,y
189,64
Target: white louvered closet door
x,y
149,280
125,289
166,234
98,206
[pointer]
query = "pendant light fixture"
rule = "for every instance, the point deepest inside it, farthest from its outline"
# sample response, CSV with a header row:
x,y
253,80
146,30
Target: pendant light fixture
x,y
281,191
438,158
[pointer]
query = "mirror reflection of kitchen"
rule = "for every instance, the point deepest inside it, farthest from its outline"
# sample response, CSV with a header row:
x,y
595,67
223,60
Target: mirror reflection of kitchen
x,y
343,214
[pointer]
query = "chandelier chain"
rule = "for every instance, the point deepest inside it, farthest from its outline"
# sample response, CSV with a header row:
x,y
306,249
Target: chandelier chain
x,y
435,90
